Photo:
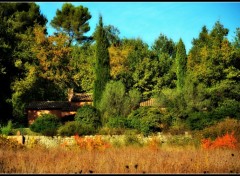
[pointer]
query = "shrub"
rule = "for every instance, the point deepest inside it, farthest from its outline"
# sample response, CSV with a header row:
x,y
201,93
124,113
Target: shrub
x,y
145,119
117,122
112,100
131,138
201,120
76,127
228,125
111,131
6,130
179,140
25,131
88,115
154,143
90,144
46,124
226,141
6,144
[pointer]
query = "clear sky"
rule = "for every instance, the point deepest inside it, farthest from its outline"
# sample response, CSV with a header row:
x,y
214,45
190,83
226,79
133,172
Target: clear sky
x,y
147,20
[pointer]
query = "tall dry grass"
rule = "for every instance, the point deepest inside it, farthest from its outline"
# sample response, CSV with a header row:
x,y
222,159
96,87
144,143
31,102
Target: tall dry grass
x,y
119,160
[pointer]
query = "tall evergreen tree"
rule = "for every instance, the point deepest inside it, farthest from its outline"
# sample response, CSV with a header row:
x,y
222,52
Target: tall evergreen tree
x,y
181,60
102,67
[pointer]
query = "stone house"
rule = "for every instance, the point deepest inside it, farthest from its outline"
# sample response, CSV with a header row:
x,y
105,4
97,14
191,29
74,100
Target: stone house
x,y
61,109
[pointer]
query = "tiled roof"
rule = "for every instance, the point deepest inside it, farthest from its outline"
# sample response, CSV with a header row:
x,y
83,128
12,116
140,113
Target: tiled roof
x,y
81,97
47,105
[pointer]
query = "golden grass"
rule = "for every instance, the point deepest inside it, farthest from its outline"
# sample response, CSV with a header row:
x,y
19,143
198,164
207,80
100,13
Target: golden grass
x,y
119,160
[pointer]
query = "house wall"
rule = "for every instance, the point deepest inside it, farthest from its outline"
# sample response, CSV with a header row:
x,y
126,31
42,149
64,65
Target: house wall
x,y
67,113
33,114
81,103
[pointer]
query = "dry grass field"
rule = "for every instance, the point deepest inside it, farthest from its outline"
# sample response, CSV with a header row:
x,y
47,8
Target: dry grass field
x,y
130,159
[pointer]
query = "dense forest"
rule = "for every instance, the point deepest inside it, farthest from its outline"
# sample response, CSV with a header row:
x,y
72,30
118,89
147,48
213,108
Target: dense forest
x,y
192,90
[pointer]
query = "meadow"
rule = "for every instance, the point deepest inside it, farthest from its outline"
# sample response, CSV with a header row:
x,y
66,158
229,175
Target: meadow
x,y
103,158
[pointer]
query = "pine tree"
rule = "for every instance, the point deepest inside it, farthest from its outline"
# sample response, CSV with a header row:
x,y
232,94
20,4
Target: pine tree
x,y
73,21
102,67
181,60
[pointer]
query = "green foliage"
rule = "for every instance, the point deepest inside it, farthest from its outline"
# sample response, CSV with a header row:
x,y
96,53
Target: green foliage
x,y
89,115
33,88
147,120
16,32
111,103
165,50
25,131
196,96
224,90
181,61
138,51
131,102
178,126
112,35
76,127
203,119
21,16
180,140
38,67
199,120
46,124
166,73
227,125
73,21
229,108
102,67
163,45
131,138
117,122
105,130
174,101
52,57
82,62
145,76
116,102
6,130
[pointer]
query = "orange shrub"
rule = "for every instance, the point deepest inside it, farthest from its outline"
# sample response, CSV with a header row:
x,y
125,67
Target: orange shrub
x,y
226,141
206,143
91,143
154,143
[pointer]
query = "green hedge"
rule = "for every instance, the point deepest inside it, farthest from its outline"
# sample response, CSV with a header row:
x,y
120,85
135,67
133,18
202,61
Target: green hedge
x,y
46,124
76,127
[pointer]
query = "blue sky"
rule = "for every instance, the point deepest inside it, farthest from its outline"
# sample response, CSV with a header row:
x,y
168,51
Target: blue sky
x,y
146,20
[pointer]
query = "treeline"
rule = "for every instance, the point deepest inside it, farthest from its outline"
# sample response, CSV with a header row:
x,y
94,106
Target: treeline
x,y
196,88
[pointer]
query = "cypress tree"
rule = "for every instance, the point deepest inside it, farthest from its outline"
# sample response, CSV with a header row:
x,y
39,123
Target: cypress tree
x,y
181,60
102,67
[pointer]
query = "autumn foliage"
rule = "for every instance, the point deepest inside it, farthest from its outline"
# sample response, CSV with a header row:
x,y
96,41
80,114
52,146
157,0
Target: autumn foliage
x,y
90,144
226,141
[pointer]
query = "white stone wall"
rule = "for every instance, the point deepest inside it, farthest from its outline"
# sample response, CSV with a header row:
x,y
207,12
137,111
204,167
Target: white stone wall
x,y
31,141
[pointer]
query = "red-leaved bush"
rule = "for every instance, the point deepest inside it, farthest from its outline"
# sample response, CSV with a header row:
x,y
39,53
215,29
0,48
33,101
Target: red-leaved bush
x,y
226,141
